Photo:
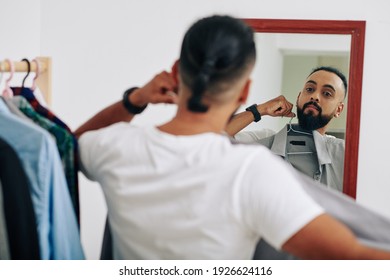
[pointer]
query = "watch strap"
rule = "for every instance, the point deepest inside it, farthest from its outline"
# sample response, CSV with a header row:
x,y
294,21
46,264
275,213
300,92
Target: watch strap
x,y
255,112
131,108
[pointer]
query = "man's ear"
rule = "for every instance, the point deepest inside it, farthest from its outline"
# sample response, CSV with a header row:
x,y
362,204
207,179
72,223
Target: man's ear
x,y
175,71
339,109
245,92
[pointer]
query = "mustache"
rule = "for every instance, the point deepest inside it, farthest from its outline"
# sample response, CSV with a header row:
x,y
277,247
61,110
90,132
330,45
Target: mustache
x,y
313,103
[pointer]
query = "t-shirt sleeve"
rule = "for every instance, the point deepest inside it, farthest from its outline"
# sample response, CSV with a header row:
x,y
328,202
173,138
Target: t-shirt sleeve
x,y
99,149
96,149
274,202
88,149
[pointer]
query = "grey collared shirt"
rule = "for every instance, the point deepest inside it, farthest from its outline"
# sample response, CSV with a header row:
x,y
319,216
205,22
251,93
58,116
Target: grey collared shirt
x,y
329,168
370,228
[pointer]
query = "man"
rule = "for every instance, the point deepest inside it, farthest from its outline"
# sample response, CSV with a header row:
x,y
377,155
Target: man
x,y
306,145
183,190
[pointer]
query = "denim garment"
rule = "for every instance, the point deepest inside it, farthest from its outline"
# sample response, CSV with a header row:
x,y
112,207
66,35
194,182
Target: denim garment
x,y
64,141
57,227
44,112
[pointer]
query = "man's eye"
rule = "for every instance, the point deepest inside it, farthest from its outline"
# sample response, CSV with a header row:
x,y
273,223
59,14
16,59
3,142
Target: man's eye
x,y
309,89
328,94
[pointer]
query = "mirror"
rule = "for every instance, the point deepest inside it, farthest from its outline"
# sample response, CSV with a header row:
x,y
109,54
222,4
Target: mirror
x,y
347,38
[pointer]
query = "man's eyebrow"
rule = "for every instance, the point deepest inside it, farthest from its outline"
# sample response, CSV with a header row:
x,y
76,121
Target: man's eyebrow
x,y
330,86
311,82
326,85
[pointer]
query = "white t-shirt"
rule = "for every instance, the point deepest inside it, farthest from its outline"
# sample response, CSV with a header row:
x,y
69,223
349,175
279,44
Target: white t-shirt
x,y
192,197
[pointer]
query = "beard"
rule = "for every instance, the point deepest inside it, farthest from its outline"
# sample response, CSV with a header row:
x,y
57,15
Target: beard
x,y
310,122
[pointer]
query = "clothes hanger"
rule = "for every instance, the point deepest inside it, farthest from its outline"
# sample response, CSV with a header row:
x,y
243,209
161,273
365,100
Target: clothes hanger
x,y
7,92
28,70
37,72
299,153
290,128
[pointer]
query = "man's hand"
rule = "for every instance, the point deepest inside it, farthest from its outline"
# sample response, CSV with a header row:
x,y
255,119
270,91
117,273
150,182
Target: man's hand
x,y
277,107
161,89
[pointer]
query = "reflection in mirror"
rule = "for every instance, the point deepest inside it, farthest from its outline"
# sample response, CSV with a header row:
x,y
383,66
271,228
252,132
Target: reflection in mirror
x,y
283,63
355,37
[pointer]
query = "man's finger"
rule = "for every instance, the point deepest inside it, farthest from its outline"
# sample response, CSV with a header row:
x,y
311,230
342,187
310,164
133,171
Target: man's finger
x,y
169,97
291,115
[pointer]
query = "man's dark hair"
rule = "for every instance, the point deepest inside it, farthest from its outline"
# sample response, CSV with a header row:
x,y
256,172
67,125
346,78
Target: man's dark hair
x,y
216,51
334,71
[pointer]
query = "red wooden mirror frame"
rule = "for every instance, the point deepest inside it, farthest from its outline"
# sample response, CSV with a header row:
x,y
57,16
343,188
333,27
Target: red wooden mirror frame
x,y
357,31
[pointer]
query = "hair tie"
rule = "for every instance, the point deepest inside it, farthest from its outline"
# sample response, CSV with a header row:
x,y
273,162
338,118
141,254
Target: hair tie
x,y
195,104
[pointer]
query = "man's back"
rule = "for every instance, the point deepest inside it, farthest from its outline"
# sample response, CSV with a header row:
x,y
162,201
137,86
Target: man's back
x,y
191,197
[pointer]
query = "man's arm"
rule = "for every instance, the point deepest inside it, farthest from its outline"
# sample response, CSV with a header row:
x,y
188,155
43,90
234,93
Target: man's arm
x,y
159,90
326,238
277,107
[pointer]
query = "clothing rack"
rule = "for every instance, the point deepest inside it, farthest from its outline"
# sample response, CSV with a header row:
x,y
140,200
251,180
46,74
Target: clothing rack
x,y
45,74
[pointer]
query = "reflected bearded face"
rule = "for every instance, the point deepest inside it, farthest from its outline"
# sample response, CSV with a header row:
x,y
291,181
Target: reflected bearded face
x,y
309,120
320,100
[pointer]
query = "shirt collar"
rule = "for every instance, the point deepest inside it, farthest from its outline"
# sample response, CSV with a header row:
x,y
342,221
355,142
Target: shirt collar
x,y
280,142
3,107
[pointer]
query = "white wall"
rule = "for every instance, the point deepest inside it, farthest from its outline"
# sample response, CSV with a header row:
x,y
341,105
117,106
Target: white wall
x,y
101,47
20,28
266,78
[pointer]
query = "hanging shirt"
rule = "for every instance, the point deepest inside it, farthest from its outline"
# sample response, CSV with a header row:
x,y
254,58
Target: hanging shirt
x,y
18,207
330,154
64,141
369,227
4,248
43,111
14,109
29,95
57,227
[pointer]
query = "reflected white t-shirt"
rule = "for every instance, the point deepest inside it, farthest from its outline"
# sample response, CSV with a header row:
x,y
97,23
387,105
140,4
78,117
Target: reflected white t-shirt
x,y
192,197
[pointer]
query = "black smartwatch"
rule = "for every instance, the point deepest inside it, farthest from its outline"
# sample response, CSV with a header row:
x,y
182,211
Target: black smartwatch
x,y
131,108
255,112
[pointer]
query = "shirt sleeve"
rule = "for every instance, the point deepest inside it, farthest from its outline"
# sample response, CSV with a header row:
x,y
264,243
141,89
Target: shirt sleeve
x,y
97,149
251,137
89,150
274,202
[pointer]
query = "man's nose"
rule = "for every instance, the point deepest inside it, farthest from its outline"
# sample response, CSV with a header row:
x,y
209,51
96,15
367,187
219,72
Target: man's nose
x,y
315,96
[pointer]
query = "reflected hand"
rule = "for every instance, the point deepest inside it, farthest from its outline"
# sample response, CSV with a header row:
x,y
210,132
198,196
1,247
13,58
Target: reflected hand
x,y
161,89
277,107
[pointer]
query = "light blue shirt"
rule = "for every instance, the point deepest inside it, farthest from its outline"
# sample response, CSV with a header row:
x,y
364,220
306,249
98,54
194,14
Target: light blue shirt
x,y
57,228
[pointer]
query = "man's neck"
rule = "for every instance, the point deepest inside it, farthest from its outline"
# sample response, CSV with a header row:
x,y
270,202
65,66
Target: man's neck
x,y
322,130
189,123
